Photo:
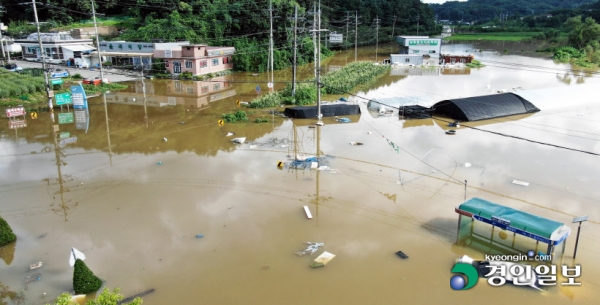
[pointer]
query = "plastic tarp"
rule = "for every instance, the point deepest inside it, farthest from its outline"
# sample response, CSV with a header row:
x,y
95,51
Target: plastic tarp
x,y
521,220
484,107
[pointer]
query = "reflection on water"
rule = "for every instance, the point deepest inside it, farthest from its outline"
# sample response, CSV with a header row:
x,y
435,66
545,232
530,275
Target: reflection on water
x,y
137,219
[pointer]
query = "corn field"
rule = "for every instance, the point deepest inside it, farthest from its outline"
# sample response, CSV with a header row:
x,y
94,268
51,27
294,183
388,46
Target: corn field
x,y
13,84
352,75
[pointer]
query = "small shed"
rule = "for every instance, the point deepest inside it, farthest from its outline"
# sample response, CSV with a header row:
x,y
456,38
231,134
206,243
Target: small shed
x,y
406,59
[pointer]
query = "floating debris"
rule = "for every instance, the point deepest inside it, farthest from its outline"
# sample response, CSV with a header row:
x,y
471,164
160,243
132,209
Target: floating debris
x,y
307,211
451,132
401,255
343,120
35,266
324,258
312,248
239,140
199,236
317,265
229,134
33,278
523,183
356,143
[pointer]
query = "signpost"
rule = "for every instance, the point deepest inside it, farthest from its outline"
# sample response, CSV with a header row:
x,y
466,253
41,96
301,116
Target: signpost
x,y
63,99
59,74
82,119
15,124
66,118
14,112
579,220
79,97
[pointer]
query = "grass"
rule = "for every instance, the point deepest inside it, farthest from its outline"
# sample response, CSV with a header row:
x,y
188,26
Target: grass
x,y
125,22
506,36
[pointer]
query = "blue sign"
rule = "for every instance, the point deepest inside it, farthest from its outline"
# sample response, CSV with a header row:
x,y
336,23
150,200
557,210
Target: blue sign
x,y
68,140
78,97
59,74
257,89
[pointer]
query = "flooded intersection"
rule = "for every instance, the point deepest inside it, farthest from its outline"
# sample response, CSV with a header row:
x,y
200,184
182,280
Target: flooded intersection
x,y
137,220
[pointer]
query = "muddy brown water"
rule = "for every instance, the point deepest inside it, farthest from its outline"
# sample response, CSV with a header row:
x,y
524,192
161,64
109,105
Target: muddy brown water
x,y
134,207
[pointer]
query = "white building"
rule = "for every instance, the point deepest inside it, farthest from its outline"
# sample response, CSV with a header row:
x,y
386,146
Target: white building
x,y
55,46
430,48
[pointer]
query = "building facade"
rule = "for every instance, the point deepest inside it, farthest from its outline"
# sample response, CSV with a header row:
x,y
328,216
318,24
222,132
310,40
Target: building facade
x,y
130,54
54,46
447,59
430,48
198,59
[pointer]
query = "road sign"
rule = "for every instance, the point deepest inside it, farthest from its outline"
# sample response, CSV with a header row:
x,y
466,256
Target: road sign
x,y
66,118
69,140
63,99
64,135
221,122
270,85
13,112
57,81
82,119
237,102
79,97
33,115
59,74
15,124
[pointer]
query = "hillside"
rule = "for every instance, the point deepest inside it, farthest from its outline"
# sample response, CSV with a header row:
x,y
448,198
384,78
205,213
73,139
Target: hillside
x,y
487,10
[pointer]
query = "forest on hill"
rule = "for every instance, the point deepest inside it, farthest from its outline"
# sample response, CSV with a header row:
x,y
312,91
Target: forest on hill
x,y
487,10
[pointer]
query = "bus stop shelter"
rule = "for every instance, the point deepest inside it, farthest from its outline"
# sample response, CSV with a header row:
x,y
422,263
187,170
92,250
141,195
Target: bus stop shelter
x,y
498,229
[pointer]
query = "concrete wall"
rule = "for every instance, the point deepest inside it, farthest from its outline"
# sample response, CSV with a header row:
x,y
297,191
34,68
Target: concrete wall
x,y
90,32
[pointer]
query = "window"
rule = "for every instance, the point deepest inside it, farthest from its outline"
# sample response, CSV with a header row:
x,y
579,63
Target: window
x,y
203,64
226,60
432,51
204,89
190,90
215,62
407,60
178,87
189,64
463,60
226,85
216,86
187,48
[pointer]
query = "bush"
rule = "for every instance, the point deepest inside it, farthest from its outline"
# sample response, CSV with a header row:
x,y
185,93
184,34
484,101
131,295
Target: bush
x,y
266,101
77,76
186,75
6,233
565,54
238,116
261,120
84,280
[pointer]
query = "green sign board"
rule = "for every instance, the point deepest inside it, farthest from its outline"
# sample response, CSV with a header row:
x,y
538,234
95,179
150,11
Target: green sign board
x,y
56,81
423,42
64,135
66,118
63,99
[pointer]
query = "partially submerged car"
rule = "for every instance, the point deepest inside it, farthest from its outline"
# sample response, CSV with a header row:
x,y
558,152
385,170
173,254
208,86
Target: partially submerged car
x,y
13,68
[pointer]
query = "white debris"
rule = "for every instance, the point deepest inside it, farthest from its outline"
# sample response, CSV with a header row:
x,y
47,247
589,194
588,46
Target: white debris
x,y
467,164
312,248
252,146
324,168
229,134
238,140
523,183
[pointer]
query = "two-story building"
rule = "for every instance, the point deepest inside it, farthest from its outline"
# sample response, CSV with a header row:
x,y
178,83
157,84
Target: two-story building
x,y
197,59
58,47
133,54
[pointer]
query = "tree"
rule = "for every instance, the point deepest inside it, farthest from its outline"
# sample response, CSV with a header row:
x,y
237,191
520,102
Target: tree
x,y
6,233
84,280
107,297
582,33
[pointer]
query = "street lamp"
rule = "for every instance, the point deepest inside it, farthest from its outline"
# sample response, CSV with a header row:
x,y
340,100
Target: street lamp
x,y
579,220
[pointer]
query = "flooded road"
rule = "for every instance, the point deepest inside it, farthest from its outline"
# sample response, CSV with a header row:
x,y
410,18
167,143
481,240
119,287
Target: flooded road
x,y
150,172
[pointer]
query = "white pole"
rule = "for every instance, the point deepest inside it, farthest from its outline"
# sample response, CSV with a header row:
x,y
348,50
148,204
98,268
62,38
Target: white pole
x,y
98,44
37,24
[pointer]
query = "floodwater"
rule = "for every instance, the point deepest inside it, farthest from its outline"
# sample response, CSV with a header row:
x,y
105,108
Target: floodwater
x,y
143,179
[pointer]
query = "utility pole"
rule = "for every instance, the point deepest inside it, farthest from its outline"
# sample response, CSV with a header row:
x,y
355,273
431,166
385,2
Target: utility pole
x,y
319,115
347,21
2,44
271,43
295,46
376,37
37,25
393,26
418,17
315,37
98,46
355,34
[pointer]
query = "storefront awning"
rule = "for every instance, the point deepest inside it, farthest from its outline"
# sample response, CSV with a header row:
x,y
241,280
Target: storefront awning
x,y
124,54
80,48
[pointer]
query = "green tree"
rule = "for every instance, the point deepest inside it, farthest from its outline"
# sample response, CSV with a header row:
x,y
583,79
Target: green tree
x,y
6,233
582,33
107,297
84,280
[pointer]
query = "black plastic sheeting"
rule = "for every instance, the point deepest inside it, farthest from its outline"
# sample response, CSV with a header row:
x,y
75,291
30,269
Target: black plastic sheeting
x,y
310,112
484,107
415,112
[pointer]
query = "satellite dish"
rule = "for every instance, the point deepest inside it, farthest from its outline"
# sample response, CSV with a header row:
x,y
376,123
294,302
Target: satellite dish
x,y
75,255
